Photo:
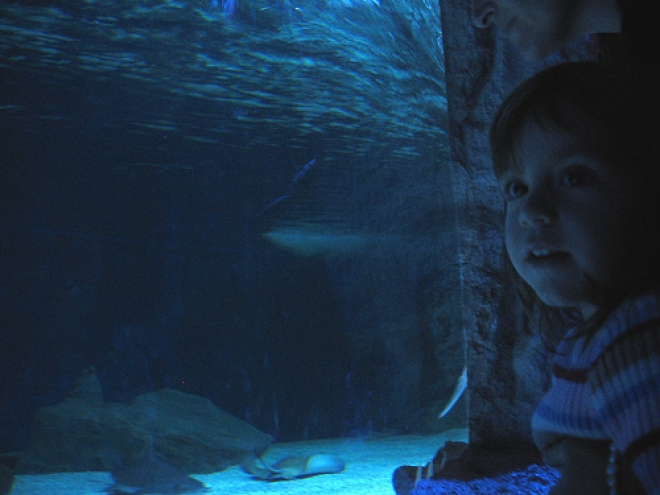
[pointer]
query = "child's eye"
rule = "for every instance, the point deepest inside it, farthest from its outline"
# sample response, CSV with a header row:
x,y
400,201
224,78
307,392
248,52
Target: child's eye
x,y
514,189
577,177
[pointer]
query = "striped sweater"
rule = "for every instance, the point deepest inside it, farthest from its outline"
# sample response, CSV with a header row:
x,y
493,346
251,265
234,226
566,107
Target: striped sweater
x,y
610,388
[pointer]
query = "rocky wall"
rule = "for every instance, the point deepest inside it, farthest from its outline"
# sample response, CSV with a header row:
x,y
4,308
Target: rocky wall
x,y
508,371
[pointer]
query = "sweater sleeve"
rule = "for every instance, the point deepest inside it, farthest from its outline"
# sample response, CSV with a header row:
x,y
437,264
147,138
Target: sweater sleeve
x,y
625,387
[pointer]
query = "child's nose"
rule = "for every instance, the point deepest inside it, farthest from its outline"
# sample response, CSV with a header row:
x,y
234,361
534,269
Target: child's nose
x,y
482,13
538,208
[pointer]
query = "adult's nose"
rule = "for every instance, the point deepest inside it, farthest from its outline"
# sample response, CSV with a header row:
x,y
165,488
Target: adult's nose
x,y
483,12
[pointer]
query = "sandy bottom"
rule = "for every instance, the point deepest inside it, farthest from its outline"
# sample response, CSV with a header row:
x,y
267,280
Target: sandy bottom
x,y
369,467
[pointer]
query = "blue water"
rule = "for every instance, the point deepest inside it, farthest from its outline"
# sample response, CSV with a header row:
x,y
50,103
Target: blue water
x,y
244,200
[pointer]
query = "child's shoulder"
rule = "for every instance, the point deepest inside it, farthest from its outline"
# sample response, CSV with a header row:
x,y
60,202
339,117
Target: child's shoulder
x,y
633,314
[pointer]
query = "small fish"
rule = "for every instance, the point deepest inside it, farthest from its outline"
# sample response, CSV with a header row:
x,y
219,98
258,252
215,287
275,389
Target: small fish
x,y
151,476
303,171
296,178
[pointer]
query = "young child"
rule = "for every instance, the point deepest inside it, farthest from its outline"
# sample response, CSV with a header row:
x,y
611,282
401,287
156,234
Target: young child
x,y
576,150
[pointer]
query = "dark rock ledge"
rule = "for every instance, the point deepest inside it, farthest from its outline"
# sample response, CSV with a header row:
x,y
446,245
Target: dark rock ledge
x,y
84,433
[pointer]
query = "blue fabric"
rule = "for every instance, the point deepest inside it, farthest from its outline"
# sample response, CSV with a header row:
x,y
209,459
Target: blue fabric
x,y
535,480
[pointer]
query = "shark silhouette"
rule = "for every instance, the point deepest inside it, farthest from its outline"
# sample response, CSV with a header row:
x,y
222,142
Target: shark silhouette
x,y
151,476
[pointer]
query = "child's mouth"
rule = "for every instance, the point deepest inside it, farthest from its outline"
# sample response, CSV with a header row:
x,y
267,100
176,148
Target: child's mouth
x,y
546,255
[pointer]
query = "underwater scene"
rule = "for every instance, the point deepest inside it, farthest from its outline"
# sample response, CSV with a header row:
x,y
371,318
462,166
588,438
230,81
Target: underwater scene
x,y
228,253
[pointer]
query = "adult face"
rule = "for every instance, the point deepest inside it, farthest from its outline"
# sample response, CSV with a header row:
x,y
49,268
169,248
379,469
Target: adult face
x,y
537,27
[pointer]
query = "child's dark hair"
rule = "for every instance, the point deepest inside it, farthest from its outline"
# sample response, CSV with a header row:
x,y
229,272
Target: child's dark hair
x,y
586,100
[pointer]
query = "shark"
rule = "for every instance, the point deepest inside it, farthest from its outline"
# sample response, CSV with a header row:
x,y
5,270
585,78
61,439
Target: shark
x,y
316,240
151,476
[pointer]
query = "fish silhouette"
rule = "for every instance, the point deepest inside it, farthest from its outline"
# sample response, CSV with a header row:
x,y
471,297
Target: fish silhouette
x,y
151,476
296,178
461,386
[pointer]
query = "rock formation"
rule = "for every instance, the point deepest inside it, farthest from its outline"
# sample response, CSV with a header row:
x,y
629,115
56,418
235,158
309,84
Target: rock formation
x,y
83,433
481,70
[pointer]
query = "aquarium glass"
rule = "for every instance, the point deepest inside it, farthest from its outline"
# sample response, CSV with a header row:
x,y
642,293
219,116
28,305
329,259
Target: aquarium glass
x,y
225,218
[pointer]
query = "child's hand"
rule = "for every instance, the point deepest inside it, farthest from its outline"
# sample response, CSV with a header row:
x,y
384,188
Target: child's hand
x,y
583,465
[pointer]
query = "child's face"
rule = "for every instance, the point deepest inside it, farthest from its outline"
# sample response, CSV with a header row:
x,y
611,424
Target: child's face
x,y
570,217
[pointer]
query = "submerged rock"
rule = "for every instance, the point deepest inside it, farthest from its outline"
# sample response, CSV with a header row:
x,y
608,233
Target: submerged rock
x,y
6,480
187,431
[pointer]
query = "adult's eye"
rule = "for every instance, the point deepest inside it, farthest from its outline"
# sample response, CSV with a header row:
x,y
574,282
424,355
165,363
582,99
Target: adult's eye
x,y
514,189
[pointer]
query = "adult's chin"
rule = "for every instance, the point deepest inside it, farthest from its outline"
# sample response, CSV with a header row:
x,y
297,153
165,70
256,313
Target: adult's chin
x,y
531,45
536,52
